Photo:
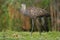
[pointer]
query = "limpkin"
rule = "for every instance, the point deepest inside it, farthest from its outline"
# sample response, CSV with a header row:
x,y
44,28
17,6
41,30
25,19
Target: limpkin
x,y
33,13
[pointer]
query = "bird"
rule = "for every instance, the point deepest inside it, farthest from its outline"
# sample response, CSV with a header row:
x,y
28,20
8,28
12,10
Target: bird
x,y
33,12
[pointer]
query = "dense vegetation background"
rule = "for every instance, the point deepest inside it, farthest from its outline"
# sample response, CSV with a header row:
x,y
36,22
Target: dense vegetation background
x,y
10,17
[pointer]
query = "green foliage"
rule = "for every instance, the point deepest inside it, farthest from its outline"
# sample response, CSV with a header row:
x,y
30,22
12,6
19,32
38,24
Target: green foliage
x,y
5,22
43,4
3,16
10,35
16,24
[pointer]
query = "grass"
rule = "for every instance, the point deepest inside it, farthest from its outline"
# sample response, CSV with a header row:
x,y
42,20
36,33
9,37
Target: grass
x,y
11,35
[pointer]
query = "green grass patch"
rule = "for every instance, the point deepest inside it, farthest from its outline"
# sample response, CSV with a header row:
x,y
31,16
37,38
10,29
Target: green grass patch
x,y
12,35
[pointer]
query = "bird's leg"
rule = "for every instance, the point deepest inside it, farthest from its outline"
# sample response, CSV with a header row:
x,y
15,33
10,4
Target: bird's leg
x,y
32,26
43,23
38,25
46,24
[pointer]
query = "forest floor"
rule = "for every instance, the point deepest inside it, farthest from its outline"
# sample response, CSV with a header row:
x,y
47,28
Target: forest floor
x,y
12,35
